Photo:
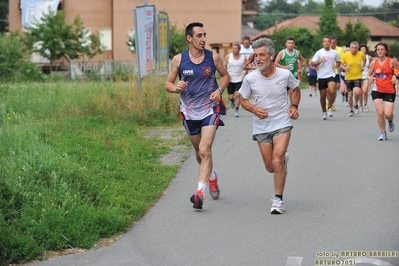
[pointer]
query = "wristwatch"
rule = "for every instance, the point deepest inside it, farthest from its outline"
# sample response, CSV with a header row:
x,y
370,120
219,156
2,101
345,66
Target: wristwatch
x,y
221,91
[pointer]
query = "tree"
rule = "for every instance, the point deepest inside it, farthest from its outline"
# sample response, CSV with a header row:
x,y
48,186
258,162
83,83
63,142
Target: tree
x,y
13,63
354,32
54,39
177,41
343,7
395,22
394,49
282,5
328,24
3,15
11,53
263,21
305,41
312,7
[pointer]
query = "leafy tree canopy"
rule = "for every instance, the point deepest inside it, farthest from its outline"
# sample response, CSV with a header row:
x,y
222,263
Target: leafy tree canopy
x,y
305,41
354,32
177,41
387,11
54,39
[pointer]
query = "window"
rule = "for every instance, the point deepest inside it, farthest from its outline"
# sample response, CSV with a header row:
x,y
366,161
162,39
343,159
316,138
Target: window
x,y
375,38
106,38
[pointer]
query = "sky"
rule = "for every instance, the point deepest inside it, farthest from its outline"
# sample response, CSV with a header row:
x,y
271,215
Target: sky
x,y
373,2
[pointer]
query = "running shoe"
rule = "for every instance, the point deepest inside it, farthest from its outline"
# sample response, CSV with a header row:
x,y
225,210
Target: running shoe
x,y
286,159
391,126
356,109
361,109
277,206
333,108
236,114
324,117
366,109
232,105
198,199
346,104
383,136
329,112
213,186
351,113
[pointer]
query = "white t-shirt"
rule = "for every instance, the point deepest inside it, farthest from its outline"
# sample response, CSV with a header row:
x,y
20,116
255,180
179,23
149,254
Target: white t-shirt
x,y
326,69
246,51
235,68
270,93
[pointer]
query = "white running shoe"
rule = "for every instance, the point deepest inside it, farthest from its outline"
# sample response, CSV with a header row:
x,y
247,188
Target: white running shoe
x,y
356,110
329,112
383,136
366,109
277,206
324,117
236,114
351,113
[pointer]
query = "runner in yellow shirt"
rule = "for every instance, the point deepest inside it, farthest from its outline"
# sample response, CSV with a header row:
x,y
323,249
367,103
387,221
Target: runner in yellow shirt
x,y
353,62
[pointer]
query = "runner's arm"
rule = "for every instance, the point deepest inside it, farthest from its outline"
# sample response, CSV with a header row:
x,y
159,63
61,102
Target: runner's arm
x,y
277,61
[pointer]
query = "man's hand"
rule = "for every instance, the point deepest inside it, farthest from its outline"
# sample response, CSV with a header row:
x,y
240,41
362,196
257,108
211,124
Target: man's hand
x,y
216,96
293,112
261,112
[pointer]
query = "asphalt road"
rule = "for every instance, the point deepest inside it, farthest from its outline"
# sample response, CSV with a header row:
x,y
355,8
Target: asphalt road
x,y
341,200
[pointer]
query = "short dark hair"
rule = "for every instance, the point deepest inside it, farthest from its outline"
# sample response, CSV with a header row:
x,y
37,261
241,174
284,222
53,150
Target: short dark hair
x,y
291,39
246,38
365,46
189,28
326,36
333,38
237,45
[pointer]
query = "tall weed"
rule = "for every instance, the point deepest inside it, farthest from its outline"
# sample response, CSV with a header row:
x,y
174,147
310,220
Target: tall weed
x,y
74,166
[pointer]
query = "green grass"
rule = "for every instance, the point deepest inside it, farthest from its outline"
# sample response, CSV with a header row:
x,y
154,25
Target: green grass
x,y
74,163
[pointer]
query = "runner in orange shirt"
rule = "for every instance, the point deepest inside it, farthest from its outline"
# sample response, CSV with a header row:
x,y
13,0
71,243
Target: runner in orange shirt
x,y
383,91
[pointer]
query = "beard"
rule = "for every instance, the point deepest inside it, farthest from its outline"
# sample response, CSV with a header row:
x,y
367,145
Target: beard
x,y
263,66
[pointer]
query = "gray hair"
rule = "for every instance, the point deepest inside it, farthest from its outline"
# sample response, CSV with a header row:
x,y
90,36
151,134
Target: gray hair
x,y
354,43
266,43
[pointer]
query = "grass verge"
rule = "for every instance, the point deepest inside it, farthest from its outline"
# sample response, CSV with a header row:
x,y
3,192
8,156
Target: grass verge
x,y
75,165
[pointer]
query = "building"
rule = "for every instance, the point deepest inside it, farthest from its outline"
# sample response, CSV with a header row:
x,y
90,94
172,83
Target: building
x,y
380,31
114,20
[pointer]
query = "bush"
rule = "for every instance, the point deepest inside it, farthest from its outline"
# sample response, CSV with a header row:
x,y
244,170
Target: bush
x,y
14,64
